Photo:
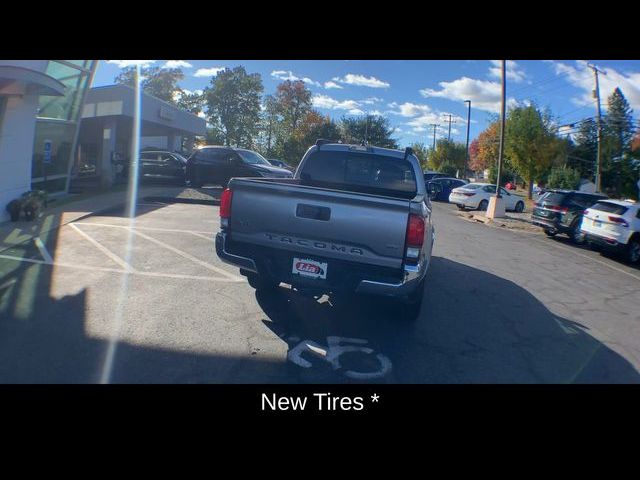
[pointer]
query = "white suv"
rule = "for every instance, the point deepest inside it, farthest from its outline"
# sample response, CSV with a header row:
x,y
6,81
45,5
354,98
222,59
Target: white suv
x,y
614,225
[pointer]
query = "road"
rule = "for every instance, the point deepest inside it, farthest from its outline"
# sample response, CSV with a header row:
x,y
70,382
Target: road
x,y
108,300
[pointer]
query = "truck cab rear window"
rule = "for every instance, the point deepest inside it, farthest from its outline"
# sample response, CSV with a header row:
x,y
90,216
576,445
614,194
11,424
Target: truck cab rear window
x,y
361,172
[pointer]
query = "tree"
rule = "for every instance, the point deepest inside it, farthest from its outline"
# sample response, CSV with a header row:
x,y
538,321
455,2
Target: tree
x,y
159,82
293,100
488,146
233,105
448,157
422,152
583,153
191,102
531,143
563,177
618,168
310,127
375,128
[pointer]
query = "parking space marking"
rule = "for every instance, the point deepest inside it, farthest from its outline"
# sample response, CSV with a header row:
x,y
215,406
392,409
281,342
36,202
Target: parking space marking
x,y
43,250
104,250
574,251
197,234
116,270
188,256
157,229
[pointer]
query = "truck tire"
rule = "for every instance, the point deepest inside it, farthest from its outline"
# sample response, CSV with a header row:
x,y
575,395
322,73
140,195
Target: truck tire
x,y
410,306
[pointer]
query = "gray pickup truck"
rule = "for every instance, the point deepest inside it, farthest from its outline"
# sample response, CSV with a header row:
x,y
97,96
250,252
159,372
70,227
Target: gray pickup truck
x,y
352,219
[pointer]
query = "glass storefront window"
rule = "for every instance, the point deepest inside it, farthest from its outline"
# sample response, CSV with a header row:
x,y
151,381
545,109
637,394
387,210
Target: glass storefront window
x,y
61,136
66,107
58,120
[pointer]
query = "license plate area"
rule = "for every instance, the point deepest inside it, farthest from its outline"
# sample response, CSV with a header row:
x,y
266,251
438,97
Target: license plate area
x,y
309,268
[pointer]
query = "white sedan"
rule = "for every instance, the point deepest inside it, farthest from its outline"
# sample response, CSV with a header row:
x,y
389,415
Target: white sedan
x,y
476,196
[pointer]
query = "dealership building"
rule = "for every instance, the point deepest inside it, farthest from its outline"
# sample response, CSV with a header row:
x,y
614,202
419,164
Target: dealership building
x,y
55,129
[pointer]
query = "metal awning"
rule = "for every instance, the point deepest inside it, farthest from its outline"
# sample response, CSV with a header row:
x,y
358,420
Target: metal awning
x,y
30,82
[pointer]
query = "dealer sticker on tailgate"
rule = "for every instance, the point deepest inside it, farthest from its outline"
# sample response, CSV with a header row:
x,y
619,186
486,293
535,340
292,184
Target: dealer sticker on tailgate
x,y
309,268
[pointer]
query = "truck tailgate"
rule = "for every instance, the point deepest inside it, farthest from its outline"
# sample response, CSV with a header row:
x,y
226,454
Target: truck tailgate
x,y
320,222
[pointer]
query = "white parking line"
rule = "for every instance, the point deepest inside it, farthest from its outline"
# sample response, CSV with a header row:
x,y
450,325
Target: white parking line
x,y
116,270
197,234
146,228
104,250
43,250
188,256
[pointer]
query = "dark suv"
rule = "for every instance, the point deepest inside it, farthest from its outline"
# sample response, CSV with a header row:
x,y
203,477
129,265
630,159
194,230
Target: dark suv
x,y
560,211
217,165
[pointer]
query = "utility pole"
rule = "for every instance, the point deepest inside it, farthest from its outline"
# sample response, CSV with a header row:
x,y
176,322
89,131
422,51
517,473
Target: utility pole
x,y
434,125
450,122
503,115
596,95
466,158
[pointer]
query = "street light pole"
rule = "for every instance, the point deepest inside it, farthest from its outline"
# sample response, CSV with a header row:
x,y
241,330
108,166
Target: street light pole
x,y
466,158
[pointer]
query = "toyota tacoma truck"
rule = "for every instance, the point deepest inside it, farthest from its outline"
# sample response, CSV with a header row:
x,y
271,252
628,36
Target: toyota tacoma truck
x,y
354,219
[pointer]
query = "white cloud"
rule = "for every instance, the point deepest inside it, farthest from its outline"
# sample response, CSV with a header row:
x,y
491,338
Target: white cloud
x,y
372,100
484,95
331,84
289,75
325,101
581,77
177,64
361,81
514,71
355,111
208,72
409,109
131,63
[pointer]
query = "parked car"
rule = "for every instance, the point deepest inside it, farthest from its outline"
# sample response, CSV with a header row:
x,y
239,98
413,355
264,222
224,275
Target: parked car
x,y
160,165
279,163
217,165
431,175
477,195
355,218
613,225
560,211
440,188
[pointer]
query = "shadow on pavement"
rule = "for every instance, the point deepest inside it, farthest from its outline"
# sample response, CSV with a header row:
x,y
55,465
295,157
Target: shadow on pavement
x,y
475,327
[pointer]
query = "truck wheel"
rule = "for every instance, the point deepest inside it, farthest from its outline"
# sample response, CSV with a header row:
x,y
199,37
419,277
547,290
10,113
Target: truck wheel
x,y
550,233
633,251
411,305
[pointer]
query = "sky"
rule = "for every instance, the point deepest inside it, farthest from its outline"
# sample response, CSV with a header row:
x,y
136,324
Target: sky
x,y
414,94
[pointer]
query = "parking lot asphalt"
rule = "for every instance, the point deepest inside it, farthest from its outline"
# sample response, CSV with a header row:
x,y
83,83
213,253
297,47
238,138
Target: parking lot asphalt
x,y
148,301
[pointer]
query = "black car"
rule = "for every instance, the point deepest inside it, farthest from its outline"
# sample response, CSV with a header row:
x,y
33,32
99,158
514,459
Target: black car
x,y
441,187
217,165
159,165
560,211
428,176
279,163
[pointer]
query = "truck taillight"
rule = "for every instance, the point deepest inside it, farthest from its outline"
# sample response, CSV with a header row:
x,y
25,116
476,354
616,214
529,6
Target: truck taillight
x,y
225,207
415,231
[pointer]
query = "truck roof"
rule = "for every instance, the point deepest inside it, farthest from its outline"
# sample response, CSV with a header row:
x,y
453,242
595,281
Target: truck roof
x,y
390,152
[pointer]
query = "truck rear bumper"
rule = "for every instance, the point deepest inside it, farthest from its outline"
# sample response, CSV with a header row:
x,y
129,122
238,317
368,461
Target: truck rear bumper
x,y
236,260
411,274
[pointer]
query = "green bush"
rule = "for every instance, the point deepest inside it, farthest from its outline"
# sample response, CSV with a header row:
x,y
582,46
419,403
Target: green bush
x,y
563,177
